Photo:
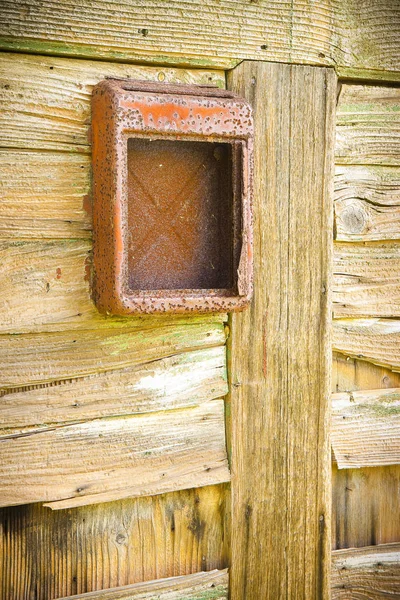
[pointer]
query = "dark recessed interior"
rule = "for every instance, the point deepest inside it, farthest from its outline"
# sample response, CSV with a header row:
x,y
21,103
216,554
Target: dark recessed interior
x,y
180,215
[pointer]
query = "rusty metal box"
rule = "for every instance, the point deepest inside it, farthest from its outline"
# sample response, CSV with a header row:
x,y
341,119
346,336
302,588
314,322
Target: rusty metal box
x,y
172,176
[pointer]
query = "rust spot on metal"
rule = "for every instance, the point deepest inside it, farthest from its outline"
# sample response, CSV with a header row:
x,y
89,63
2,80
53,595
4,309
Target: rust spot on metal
x,y
172,167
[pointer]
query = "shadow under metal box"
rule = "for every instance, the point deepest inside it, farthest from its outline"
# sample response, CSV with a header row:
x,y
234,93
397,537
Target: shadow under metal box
x,y
172,176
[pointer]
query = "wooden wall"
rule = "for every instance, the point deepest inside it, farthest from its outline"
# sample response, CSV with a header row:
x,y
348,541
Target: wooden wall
x,y
366,339
94,408
113,462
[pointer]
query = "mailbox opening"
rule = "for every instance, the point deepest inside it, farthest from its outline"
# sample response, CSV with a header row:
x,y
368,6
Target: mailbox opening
x,y
180,215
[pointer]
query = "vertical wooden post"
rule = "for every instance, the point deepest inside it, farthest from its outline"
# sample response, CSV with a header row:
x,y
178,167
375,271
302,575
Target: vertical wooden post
x,y
280,350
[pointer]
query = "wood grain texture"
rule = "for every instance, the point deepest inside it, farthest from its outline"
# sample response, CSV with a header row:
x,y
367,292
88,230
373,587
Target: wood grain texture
x,y
350,374
45,285
175,382
107,459
199,586
367,203
280,352
371,573
89,548
366,281
366,501
44,195
365,506
373,340
366,428
368,125
46,101
31,360
202,33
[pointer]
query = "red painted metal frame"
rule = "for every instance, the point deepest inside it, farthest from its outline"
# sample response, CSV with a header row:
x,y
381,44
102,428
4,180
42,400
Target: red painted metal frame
x,y
123,109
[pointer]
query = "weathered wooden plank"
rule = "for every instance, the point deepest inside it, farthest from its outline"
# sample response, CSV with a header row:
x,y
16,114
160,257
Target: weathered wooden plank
x,y
199,586
45,285
37,359
371,76
374,340
351,374
107,459
365,501
366,428
368,125
326,33
46,101
365,506
281,459
49,554
371,573
179,381
44,195
366,280
367,203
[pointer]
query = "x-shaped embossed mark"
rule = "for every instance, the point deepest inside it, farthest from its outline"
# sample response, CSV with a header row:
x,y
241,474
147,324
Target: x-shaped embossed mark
x,y
151,236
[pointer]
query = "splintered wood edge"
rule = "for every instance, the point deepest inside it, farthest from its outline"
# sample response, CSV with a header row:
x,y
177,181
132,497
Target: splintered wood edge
x,y
199,586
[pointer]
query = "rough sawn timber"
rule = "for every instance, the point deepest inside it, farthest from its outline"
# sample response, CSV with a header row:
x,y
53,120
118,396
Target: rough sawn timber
x,y
44,195
359,36
374,340
46,101
365,506
112,544
179,381
366,279
368,125
280,350
36,359
45,285
366,428
199,586
365,501
367,203
371,573
112,458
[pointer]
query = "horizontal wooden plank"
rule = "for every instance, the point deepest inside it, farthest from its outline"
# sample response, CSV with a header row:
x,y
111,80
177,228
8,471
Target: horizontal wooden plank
x,y
351,374
368,125
44,358
48,554
44,195
179,381
326,33
371,573
47,195
365,506
46,101
45,286
199,586
367,203
45,283
198,33
365,501
371,76
107,459
366,280
366,428
374,340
